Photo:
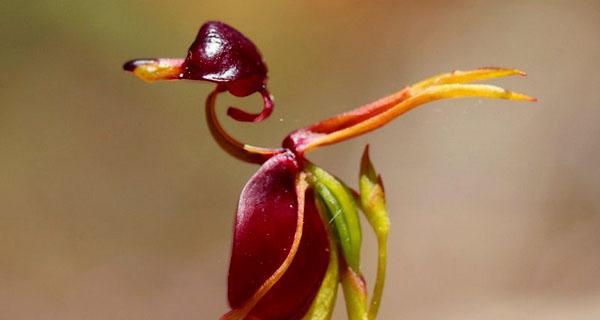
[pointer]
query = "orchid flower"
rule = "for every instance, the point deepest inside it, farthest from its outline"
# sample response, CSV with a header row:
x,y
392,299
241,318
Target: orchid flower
x,y
297,233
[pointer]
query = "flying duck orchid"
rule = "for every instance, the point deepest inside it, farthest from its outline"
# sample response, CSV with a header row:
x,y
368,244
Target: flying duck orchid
x,y
297,233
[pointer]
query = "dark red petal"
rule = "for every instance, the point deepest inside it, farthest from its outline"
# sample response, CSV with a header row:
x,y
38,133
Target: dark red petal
x,y
292,296
223,55
264,226
264,230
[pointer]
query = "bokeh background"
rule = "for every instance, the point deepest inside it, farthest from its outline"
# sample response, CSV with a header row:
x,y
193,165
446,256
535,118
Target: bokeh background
x,y
116,204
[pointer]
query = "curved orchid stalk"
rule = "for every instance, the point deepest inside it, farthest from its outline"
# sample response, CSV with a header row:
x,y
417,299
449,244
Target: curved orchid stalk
x,y
297,233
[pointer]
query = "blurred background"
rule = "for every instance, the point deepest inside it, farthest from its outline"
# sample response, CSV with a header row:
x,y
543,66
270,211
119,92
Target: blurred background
x,y
116,204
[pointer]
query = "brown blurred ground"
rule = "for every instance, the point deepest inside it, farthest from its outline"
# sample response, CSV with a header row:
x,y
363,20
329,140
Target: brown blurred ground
x,y
116,204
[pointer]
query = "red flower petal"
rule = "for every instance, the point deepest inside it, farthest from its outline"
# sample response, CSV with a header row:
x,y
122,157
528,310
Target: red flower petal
x,y
265,227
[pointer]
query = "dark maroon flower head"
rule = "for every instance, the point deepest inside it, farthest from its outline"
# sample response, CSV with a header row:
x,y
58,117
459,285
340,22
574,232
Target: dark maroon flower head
x,y
223,55
219,54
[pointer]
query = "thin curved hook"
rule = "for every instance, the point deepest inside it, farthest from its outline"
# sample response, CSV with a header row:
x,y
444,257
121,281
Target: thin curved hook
x,y
235,148
241,115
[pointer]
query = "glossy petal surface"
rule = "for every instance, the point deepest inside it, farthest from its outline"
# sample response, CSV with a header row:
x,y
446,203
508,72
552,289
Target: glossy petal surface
x,y
223,55
264,230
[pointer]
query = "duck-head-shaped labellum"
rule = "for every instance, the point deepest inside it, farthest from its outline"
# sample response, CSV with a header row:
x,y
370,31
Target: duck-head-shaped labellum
x,y
223,55
219,54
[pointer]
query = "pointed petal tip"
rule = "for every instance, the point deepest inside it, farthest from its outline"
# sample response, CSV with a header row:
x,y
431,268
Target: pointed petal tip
x,y
365,161
520,97
521,73
467,76
509,71
517,72
366,152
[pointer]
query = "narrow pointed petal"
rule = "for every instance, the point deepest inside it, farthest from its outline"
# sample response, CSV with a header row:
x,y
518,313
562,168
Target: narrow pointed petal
x,y
459,76
433,93
374,115
280,248
352,117
301,137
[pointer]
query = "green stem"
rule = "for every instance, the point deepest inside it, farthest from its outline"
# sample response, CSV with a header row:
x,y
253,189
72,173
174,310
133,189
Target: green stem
x,y
380,278
355,294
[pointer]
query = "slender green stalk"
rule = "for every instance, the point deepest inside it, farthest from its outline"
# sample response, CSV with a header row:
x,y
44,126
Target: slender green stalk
x,y
380,278
355,294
